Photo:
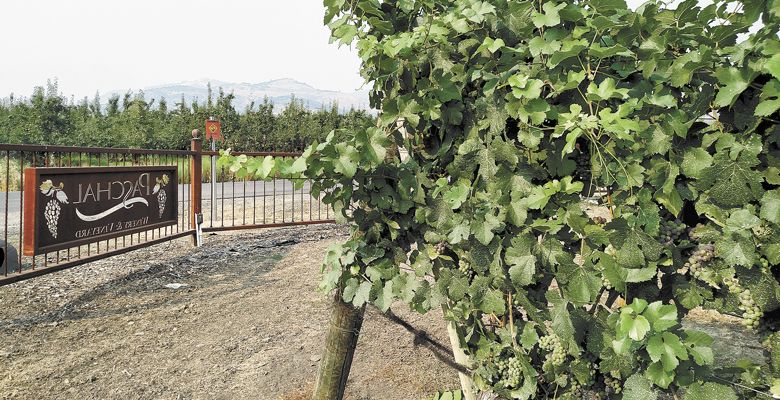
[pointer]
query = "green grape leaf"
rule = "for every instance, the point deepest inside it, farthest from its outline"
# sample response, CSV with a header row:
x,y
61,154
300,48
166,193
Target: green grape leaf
x,y
736,250
661,316
493,303
373,143
690,294
695,161
385,299
529,337
524,88
733,82
561,320
458,288
550,15
347,161
632,326
770,206
742,220
459,233
661,377
483,228
732,183
362,294
523,270
666,348
709,391
773,66
266,167
637,387
456,195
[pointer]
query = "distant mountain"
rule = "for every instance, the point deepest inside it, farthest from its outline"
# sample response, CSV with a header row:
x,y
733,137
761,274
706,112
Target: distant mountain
x,y
278,91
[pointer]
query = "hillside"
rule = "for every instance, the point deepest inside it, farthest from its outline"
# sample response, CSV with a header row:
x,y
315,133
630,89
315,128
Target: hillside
x,y
278,91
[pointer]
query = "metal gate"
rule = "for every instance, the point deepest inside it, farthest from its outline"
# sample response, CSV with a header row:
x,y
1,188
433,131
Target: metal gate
x,y
224,203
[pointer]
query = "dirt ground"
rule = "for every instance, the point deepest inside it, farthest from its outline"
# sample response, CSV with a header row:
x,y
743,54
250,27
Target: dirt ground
x,y
239,318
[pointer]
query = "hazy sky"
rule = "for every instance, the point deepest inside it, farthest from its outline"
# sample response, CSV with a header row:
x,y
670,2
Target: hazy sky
x,y
107,45
101,45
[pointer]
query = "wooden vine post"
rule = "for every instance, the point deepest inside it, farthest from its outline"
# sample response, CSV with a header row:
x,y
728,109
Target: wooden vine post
x,y
340,344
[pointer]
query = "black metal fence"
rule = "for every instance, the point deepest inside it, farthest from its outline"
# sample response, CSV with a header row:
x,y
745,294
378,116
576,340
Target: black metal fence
x,y
225,203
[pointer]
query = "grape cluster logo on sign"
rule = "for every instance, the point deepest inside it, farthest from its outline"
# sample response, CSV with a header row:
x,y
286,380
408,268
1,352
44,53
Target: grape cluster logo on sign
x,y
69,207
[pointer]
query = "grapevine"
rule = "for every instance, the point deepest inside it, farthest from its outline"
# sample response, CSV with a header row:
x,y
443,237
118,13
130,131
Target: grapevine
x,y
506,113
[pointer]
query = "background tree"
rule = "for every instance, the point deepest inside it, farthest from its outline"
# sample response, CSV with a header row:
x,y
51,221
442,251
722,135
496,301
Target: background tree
x,y
133,121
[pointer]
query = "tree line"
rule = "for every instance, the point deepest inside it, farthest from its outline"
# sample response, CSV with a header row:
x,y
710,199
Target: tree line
x,y
133,121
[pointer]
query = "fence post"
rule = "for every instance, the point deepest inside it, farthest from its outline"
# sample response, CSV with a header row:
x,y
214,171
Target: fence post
x,y
196,179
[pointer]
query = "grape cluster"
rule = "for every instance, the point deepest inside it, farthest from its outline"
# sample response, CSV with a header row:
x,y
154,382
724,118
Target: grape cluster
x,y
509,372
576,387
613,385
701,255
582,159
606,283
694,233
557,354
465,268
591,373
52,215
752,313
439,248
763,231
671,230
161,197
752,316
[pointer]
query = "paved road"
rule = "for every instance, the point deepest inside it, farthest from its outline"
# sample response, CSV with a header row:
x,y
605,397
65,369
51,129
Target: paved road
x,y
228,190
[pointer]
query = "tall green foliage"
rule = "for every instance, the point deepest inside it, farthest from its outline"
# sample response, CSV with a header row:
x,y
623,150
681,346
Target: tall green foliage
x,y
512,113
134,121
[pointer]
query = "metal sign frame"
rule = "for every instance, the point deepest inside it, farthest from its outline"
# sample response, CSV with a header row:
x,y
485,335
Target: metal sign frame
x,y
33,226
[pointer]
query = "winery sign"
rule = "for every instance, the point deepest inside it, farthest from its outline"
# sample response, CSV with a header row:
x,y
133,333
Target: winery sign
x,y
69,207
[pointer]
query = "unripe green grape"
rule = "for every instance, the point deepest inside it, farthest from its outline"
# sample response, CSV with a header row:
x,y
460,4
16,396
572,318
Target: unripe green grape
x,y
613,385
509,373
701,255
606,283
671,230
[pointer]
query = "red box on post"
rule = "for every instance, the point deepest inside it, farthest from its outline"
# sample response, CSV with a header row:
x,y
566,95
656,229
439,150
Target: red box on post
x,y
213,130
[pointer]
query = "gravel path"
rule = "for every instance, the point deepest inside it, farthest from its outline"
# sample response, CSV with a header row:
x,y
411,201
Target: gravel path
x,y
239,318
